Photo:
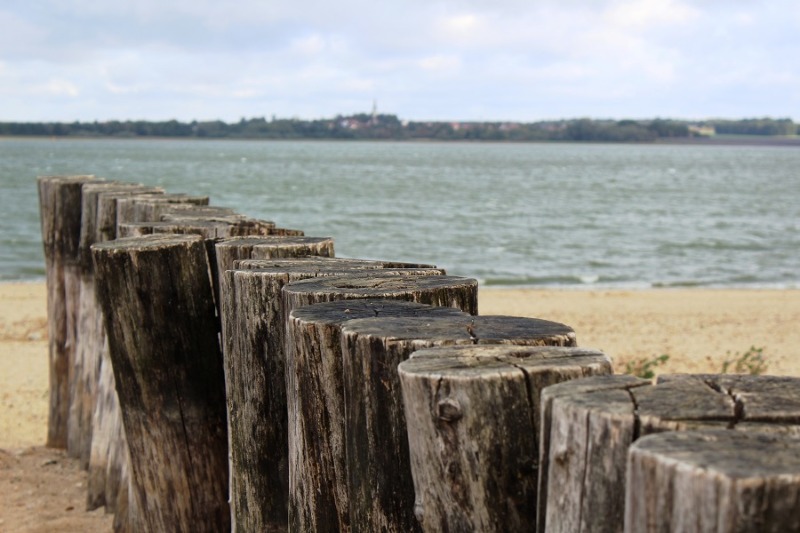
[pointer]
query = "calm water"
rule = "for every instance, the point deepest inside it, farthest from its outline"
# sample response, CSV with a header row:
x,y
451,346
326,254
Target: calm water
x,y
515,214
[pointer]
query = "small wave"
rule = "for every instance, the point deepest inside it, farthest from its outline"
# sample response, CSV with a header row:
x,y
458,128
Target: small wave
x,y
583,280
713,245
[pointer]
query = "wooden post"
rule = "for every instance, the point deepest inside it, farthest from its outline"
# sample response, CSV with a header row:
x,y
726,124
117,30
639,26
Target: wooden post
x,y
713,481
90,334
317,464
563,476
161,323
589,425
240,225
181,211
150,207
108,480
236,248
442,291
60,211
254,264
107,208
208,229
380,486
253,336
473,415
447,291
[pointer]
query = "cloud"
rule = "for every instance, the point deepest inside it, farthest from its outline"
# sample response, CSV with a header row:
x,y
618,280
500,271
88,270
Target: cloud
x,y
57,87
509,59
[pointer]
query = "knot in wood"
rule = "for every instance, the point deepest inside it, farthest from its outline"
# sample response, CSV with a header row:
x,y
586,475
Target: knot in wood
x,y
449,410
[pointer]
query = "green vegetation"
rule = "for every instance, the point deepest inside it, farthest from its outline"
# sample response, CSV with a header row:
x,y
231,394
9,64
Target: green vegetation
x,y
382,126
645,367
751,362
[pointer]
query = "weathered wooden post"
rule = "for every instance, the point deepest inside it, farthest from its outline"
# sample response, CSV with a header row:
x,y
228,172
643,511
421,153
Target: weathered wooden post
x,y
275,247
380,486
161,323
149,207
253,336
207,229
473,415
90,334
562,475
442,291
60,211
241,225
108,480
318,357
589,425
713,481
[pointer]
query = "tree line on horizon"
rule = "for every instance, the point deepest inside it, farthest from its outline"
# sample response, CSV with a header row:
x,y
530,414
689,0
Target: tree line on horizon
x,y
389,127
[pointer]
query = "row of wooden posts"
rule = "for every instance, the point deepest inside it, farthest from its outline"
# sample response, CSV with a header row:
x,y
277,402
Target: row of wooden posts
x,y
214,372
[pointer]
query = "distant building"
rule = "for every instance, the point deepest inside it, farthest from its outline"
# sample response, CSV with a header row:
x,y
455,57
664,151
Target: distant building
x,y
702,131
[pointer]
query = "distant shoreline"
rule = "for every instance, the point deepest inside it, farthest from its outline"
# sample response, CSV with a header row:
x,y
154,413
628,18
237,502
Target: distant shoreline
x,y
720,140
734,140
374,126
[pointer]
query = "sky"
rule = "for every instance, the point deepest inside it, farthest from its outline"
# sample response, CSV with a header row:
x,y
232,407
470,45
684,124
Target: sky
x,y
505,60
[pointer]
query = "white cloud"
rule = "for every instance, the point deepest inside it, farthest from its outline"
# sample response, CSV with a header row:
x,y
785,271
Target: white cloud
x,y
58,87
457,59
641,15
440,63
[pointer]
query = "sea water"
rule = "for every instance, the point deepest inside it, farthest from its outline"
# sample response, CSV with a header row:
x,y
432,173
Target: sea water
x,y
548,215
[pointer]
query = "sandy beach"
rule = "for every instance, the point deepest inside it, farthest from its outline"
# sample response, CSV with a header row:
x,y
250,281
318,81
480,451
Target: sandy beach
x,y
42,490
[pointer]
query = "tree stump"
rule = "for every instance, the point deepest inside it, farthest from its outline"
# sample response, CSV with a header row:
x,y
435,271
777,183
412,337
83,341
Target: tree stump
x,y
60,211
161,323
714,481
253,336
473,415
589,425
380,486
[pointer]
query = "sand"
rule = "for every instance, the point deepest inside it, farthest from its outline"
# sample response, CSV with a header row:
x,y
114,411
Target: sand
x,y
43,490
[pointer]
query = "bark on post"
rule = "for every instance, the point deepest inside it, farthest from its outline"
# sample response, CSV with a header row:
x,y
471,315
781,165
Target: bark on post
x,y
473,415
253,336
380,485
713,481
589,425
161,323
60,210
